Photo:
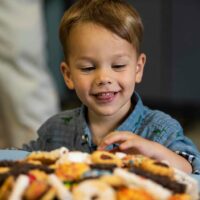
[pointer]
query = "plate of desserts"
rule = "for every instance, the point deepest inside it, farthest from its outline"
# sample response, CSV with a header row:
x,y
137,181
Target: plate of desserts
x,y
73,175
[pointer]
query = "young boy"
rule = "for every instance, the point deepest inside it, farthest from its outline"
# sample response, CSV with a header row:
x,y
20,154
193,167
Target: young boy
x,y
101,41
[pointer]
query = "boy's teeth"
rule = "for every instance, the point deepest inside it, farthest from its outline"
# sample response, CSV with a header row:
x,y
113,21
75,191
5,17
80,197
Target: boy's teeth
x,y
105,94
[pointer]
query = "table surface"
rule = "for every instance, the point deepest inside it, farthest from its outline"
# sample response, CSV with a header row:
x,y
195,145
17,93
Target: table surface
x,y
12,154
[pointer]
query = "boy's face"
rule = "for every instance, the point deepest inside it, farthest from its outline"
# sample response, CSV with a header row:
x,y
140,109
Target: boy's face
x,y
102,68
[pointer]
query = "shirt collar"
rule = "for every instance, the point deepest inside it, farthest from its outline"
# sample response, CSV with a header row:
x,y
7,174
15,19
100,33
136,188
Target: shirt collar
x,y
132,122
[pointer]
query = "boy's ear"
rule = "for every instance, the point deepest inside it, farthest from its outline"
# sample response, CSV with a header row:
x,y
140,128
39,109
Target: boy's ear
x,y
66,72
140,67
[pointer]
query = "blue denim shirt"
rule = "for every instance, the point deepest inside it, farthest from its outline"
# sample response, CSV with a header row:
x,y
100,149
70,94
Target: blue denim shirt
x,y
70,129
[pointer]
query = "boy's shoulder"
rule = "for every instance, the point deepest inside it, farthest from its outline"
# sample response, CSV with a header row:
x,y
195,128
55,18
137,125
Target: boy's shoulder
x,y
160,120
62,120
150,122
62,129
66,116
160,117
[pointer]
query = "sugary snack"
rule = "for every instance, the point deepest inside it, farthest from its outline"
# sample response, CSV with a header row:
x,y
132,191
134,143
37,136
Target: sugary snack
x,y
46,158
93,189
161,173
103,157
65,175
71,171
133,193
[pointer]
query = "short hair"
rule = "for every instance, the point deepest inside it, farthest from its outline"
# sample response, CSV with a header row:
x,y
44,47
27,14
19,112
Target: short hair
x,y
115,15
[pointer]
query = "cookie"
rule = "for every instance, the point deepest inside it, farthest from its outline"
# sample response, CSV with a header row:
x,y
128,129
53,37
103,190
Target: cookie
x,y
104,157
93,189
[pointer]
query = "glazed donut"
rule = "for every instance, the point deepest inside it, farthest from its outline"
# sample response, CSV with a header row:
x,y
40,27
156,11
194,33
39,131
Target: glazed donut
x,y
93,189
104,157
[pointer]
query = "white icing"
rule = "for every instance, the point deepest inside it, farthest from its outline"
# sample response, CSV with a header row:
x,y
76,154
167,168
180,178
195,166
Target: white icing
x,y
120,155
77,157
21,184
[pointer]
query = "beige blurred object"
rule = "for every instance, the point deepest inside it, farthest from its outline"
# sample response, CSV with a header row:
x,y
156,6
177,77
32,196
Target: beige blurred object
x,y
27,92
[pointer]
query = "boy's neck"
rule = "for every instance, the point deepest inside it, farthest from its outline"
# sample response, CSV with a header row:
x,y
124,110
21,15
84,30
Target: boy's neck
x,y
101,126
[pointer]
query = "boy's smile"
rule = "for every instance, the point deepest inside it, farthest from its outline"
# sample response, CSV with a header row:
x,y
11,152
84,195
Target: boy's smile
x,y
103,69
105,97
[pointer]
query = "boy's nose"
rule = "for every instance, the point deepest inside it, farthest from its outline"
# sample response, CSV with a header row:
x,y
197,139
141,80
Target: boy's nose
x,y
103,79
100,82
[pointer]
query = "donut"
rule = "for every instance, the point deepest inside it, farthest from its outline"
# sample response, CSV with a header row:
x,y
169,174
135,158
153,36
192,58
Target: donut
x,y
93,189
104,157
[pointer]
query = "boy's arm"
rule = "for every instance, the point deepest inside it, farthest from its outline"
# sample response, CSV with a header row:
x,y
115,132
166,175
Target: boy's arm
x,y
49,138
40,144
175,160
132,143
31,146
183,146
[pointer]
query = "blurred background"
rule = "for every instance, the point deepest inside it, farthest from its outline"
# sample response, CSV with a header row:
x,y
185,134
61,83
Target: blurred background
x,y
170,82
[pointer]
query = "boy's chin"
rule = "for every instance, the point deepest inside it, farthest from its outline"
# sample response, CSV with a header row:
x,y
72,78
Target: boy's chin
x,y
104,112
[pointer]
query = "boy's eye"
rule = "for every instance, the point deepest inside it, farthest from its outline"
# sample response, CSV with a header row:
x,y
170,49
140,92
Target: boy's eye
x,y
87,69
118,66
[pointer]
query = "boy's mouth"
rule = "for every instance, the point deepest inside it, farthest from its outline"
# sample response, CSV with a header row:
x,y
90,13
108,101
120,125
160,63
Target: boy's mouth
x,y
105,96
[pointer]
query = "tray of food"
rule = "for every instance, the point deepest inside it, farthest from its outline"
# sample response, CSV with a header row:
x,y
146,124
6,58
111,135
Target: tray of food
x,y
101,175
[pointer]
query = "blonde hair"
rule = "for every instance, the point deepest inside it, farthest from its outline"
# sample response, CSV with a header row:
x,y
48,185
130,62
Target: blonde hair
x,y
114,15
